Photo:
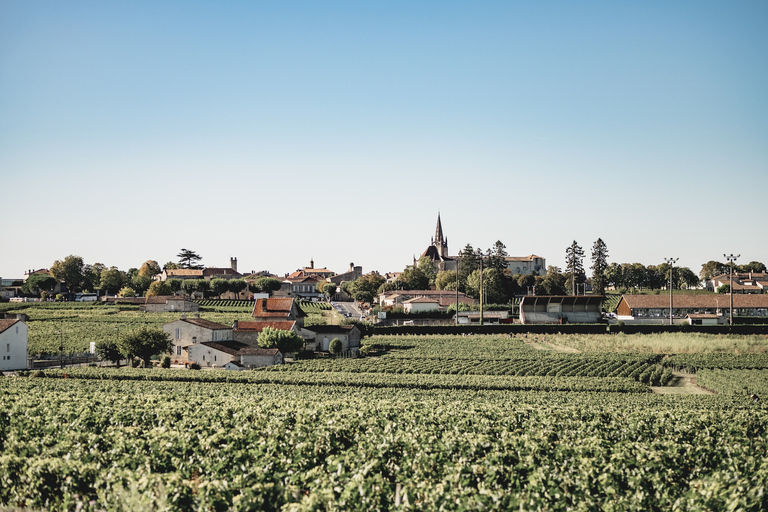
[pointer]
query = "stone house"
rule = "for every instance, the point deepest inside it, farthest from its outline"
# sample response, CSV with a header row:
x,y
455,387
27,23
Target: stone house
x,y
259,357
248,332
13,344
215,353
187,332
421,305
349,335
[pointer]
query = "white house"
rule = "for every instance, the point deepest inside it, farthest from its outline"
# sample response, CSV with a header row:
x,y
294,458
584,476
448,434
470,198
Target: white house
x,y
215,353
421,304
13,344
259,357
186,332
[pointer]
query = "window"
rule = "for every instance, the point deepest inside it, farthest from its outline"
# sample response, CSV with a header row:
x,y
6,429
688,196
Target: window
x,y
178,334
178,350
7,347
203,358
214,358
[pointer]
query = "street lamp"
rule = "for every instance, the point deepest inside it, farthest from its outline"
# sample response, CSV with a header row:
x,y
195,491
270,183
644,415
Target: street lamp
x,y
671,262
731,258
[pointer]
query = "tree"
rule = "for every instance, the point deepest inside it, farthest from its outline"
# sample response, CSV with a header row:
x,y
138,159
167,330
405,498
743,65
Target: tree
x,y
724,288
712,269
599,266
127,291
189,285
752,266
265,285
37,283
468,263
145,343
203,286
413,279
142,283
171,265
189,259
284,341
498,257
150,268
493,289
688,277
526,283
329,289
237,285
365,288
92,276
175,284
335,346
109,350
158,288
446,279
574,256
427,267
219,286
111,280
553,283
69,272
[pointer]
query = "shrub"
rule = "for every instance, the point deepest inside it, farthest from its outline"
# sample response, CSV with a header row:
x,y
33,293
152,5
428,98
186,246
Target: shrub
x,y
37,374
335,346
194,366
166,362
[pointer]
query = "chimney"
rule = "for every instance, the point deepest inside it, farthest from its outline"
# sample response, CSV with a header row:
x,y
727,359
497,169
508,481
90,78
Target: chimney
x,y
264,305
312,263
233,264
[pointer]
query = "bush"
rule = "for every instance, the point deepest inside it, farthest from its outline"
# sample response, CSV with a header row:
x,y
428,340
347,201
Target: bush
x,y
335,346
194,366
166,362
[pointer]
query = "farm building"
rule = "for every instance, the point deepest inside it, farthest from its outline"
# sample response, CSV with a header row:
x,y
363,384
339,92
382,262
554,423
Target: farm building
x,y
13,344
560,309
278,309
649,307
215,353
260,357
248,332
421,304
349,335
186,332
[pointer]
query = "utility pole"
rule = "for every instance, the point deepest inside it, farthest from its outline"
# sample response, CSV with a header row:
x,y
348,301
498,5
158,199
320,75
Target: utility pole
x,y
481,288
671,262
731,258
458,263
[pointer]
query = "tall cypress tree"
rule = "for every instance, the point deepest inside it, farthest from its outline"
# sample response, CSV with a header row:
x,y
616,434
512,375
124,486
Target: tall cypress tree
x,y
574,257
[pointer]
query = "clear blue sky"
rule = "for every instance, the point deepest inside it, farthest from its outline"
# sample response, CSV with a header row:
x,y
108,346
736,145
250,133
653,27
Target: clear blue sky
x,y
279,131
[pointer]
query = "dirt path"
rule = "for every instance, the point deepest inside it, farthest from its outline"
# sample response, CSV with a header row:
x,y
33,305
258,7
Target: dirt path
x,y
544,345
682,384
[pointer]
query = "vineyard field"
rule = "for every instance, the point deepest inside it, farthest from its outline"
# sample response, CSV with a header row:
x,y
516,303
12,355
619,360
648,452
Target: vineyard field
x,y
69,444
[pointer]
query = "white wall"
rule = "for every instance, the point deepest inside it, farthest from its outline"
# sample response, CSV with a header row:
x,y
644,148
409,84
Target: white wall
x,y
13,347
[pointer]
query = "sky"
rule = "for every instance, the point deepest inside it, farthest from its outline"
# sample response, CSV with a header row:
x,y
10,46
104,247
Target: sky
x,y
282,131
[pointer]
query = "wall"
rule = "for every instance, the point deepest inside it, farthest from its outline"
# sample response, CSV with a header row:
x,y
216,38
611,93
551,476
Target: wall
x,y
13,347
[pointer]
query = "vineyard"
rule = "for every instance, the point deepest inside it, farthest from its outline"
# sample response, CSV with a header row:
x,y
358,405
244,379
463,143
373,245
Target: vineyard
x,y
142,445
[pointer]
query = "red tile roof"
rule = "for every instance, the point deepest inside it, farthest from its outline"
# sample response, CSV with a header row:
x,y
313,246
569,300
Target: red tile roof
x,y
6,324
258,326
275,308
719,300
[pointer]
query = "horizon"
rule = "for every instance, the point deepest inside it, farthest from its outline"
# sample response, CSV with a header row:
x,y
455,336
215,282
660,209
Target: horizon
x,y
277,133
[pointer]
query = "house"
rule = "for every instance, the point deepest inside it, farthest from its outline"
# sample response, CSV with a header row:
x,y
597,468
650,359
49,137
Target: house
x,y
187,332
420,305
234,365
656,307
223,272
743,282
14,333
532,264
304,287
180,273
554,309
705,319
311,271
248,332
283,308
259,357
349,335
215,353
168,303
353,274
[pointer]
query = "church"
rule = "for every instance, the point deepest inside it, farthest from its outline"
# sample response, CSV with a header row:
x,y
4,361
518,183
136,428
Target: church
x,y
438,253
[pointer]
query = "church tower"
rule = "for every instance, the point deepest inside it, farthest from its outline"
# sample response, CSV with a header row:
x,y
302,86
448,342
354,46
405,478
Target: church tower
x,y
440,242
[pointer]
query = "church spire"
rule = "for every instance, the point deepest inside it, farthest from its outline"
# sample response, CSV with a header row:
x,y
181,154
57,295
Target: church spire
x,y
438,231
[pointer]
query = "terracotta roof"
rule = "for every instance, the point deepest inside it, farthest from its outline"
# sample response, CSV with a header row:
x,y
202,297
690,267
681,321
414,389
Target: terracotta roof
x,y
423,300
697,301
275,308
184,272
259,352
258,326
224,271
232,348
158,299
6,324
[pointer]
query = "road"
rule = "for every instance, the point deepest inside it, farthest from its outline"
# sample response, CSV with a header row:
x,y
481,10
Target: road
x,y
348,309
